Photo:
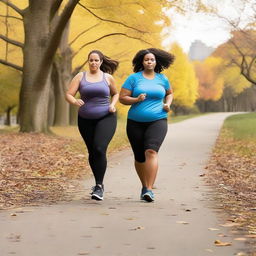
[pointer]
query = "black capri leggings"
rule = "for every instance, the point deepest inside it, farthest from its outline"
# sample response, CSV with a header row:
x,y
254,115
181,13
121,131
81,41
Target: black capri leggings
x,y
97,133
145,135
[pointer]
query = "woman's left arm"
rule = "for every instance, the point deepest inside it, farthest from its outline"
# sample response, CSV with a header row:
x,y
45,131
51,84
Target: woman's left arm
x,y
113,92
168,100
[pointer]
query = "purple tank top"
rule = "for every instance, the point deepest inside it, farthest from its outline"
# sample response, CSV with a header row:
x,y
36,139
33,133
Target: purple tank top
x,y
96,96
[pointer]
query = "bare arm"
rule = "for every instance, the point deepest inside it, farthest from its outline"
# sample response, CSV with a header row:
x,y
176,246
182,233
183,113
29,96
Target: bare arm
x,y
113,92
168,100
127,99
73,88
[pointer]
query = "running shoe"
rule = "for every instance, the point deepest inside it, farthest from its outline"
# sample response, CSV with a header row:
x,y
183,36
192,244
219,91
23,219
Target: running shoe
x,y
97,192
148,195
144,190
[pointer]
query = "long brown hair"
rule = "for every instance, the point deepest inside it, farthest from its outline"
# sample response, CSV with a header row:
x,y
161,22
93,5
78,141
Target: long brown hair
x,y
108,65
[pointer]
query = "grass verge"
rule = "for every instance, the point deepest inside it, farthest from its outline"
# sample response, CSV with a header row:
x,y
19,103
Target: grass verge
x,y
232,173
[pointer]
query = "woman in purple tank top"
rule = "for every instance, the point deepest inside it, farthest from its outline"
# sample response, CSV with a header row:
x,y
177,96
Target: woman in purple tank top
x,y
97,112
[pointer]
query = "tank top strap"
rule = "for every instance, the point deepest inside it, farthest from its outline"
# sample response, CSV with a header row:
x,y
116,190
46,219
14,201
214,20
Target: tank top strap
x,y
84,74
105,79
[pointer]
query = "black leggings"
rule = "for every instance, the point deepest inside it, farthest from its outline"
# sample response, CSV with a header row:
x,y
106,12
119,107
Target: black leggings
x,y
145,135
97,133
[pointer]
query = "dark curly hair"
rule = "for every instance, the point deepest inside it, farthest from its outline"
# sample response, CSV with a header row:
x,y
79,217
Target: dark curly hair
x,y
108,65
163,59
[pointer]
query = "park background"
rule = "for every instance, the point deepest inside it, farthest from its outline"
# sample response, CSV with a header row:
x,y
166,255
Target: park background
x,y
45,43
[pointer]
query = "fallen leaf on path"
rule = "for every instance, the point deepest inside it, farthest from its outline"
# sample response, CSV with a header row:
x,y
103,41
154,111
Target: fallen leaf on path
x,y
222,235
241,254
240,239
138,228
219,243
229,224
213,229
182,222
209,250
250,236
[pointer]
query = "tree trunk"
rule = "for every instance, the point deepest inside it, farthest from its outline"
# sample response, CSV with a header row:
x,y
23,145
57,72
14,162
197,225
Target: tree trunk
x,y
61,76
8,115
34,97
42,38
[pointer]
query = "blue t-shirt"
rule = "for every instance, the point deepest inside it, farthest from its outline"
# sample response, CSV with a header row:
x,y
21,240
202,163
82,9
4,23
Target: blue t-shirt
x,y
151,108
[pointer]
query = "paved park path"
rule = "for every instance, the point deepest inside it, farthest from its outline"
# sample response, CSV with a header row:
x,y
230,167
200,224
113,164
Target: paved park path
x,y
183,221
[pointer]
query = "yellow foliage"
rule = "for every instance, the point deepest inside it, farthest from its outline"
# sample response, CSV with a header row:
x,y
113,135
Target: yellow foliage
x,y
183,78
234,79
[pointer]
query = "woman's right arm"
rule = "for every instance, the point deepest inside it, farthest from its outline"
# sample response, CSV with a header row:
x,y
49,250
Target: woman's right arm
x,y
73,88
126,98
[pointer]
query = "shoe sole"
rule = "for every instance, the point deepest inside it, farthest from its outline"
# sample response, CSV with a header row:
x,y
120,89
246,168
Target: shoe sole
x,y
147,198
96,197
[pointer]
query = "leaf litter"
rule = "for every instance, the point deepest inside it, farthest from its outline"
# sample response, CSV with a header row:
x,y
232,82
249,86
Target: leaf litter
x,y
232,173
39,169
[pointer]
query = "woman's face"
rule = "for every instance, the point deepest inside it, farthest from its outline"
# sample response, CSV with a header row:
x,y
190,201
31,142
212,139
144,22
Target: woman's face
x,y
94,62
149,61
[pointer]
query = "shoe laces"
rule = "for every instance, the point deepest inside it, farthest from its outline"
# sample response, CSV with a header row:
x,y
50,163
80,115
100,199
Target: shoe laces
x,y
96,188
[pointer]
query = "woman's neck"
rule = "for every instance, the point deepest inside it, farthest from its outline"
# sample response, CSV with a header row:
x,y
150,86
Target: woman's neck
x,y
149,73
95,72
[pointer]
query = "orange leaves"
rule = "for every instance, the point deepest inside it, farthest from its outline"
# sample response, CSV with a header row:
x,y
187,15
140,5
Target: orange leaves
x,y
210,82
37,168
232,171
219,243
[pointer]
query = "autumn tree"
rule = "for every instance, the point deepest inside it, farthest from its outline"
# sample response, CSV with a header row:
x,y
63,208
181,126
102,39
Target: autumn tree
x,y
183,79
40,45
9,91
240,50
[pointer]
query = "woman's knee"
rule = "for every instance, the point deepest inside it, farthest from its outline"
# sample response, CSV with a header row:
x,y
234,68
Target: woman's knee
x,y
99,150
150,153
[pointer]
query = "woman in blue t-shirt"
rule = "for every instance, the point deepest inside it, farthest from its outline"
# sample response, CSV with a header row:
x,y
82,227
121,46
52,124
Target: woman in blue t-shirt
x,y
150,95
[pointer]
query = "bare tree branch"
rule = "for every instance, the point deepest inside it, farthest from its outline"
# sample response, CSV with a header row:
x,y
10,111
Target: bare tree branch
x,y
55,7
77,69
112,21
113,6
11,41
108,35
83,33
13,6
11,17
253,62
9,64
55,39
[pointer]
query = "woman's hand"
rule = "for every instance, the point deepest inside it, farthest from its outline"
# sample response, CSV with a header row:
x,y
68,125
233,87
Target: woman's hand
x,y
112,108
166,107
141,97
79,102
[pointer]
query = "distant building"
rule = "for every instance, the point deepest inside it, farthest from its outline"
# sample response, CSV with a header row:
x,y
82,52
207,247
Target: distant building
x,y
199,51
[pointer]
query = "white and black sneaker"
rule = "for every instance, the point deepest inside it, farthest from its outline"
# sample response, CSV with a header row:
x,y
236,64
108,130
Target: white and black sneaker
x,y
97,192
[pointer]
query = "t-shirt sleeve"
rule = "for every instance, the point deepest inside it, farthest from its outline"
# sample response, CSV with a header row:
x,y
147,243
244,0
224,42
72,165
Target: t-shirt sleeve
x,y
167,84
129,83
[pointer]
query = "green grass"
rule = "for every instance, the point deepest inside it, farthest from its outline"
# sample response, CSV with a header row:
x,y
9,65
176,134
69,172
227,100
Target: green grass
x,y
242,126
9,129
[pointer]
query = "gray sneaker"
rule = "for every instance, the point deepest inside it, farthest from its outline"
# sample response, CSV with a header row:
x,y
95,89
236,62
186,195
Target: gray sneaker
x,y
97,192
148,196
